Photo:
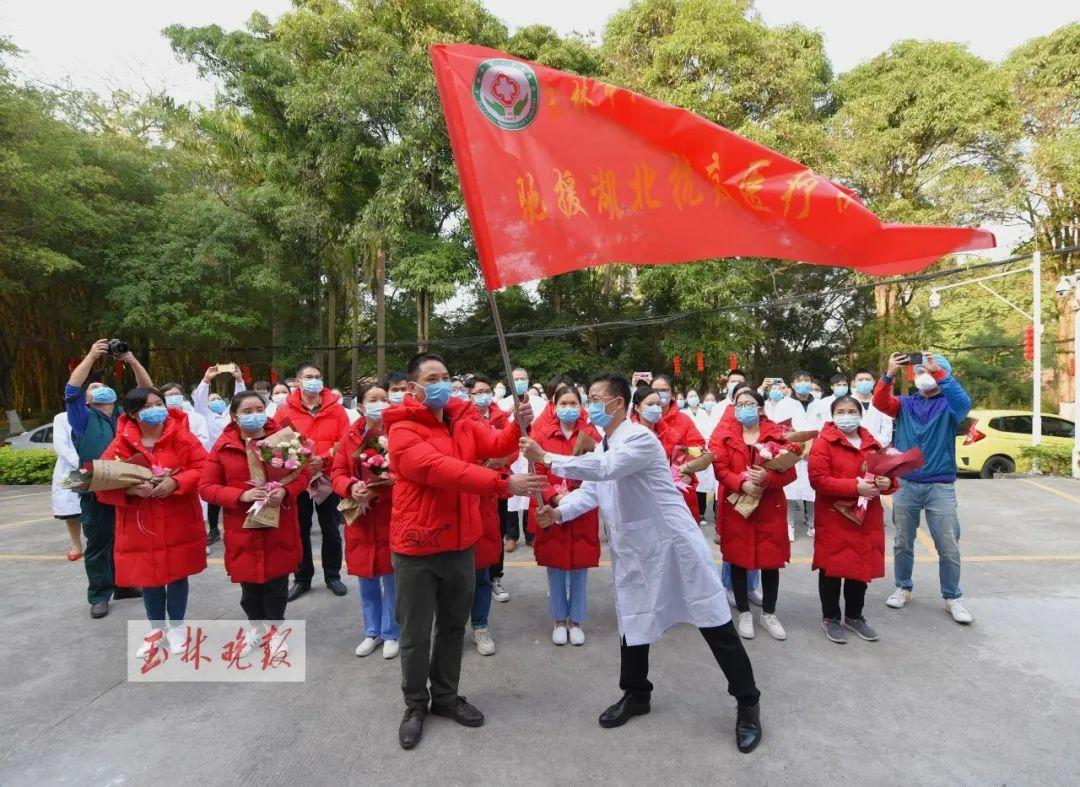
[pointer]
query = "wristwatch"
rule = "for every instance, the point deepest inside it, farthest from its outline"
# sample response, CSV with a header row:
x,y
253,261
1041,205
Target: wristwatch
x,y
547,458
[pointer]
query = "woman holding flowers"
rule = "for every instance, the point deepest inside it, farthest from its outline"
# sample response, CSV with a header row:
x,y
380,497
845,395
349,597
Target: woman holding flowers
x,y
361,475
259,559
847,552
757,539
160,540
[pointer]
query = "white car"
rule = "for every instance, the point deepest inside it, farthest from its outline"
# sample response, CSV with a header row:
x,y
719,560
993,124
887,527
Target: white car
x,y
39,438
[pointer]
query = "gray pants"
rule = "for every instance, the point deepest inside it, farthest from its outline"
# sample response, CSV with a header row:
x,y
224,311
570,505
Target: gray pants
x,y
800,512
431,588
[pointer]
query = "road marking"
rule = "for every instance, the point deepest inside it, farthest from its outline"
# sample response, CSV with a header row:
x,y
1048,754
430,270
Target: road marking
x,y
27,494
28,522
1057,492
920,534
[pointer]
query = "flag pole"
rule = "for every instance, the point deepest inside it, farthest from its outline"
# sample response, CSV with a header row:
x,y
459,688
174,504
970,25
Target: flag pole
x,y
509,369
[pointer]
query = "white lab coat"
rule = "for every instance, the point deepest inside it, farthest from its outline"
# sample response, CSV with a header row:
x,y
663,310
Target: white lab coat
x,y
705,423
65,503
521,464
801,418
877,423
215,424
664,570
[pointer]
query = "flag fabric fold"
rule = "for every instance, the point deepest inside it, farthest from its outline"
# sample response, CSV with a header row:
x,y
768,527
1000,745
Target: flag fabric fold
x,y
561,172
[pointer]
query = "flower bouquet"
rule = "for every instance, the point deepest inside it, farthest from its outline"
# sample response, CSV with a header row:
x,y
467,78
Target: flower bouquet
x,y
772,455
890,463
273,462
371,468
103,475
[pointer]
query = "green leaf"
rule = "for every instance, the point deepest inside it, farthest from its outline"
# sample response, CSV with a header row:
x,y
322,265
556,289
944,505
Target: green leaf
x,y
496,107
519,107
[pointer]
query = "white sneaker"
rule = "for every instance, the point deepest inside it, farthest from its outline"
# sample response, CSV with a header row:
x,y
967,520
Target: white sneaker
x,y
278,643
791,533
485,645
144,649
702,523
577,636
731,598
251,641
959,613
755,597
810,532
898,598
177,636
559,634
367,647
498,592
745,625
390,649
772,625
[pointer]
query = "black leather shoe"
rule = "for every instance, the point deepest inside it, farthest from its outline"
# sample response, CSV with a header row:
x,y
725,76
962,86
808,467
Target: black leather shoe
x,y
119,593
298,589
412,727
621,712
213,537
338,587
99,610
748,728
461,712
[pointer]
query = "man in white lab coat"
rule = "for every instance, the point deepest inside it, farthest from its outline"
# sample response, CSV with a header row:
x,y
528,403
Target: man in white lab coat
x,y
873,420
663,568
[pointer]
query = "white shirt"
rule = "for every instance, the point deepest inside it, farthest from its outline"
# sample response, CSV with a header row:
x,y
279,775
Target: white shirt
x,y
64,501
215,424
663,568
876,423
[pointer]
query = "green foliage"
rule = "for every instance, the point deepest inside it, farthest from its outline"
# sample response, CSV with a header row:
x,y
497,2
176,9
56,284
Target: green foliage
x,y
19,467
1050,459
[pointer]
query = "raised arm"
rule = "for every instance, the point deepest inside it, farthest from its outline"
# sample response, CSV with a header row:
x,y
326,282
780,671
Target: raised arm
x,y
142,377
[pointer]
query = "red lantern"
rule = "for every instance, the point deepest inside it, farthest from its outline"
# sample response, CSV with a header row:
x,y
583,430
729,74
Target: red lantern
x,y
246,371
700,361
118,370
678,365
273,377
1029,343
733,362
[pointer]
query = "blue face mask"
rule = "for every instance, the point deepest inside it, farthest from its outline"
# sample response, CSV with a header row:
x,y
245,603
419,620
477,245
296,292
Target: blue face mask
x,y
598,415
747,414
373,411
847,422
776,394
153,416
311,387
665,397
708,406
251,422
462,394
521,386
484,400
436,395
568,415
103,395
802,389
652,413
218,406
864,387
174,400
692,401
840,390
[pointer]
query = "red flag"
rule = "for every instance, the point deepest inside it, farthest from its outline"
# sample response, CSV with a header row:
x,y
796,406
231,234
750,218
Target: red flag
x,y
560,172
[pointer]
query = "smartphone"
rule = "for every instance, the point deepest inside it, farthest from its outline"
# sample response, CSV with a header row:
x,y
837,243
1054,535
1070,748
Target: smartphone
x,y
914,359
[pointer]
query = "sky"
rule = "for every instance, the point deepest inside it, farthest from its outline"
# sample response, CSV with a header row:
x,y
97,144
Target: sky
x,y
108,44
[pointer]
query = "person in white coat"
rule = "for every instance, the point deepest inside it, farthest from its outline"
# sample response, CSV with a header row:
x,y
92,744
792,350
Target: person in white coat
x,y
663,568
801,408
840,386
214,411
278,394
873,420
65,503
705,422
175,400
517,507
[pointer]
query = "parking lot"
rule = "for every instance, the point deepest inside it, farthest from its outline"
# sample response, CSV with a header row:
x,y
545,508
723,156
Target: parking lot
x,y
932,703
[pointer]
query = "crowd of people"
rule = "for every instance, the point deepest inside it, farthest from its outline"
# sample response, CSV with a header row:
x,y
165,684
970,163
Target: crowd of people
x,y
476,466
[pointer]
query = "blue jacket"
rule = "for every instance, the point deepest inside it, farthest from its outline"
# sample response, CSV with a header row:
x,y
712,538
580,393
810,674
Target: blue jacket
x,y
929,423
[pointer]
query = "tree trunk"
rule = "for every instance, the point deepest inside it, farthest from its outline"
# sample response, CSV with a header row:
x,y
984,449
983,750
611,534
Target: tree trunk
x,y
1063,351
556,295
331,332
380,312
354,350
316,354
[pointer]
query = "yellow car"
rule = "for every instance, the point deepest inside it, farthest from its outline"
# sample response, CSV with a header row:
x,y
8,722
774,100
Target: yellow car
x,y
989,441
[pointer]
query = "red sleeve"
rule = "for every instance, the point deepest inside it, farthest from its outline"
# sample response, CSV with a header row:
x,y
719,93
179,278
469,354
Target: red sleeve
x,y
212,486
416,460
884,400
189,475
341,472
821,478
722,467
780,479
495,444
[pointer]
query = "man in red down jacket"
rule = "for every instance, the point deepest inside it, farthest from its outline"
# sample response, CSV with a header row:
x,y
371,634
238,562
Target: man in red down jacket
x,y
846,552
258,559
317,414
435,445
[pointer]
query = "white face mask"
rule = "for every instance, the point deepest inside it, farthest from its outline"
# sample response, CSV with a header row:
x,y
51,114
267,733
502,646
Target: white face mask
x,y
279,398
925,381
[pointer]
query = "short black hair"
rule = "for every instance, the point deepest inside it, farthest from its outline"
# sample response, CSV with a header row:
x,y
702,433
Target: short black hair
x,y
557,382
361,392
261,385
840,377
392,378
308,365
479,378
616,383
566,389
864,371
844,400
135,400
737,370
413,366
238,399
171,385
800,373
738,387
747,390
641,394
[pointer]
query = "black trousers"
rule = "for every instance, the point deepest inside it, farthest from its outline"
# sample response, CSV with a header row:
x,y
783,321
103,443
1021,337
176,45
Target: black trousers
x,y
265,600
213,514
770,589
514,527
726,648
829,593
437,589
329,521
496,569
703,504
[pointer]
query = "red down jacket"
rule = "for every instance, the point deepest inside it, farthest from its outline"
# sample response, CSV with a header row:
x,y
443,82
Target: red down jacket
x,y
760,541
843,548
676,429
437,495
367,539
489,547
158,541
326,426
252,554
573,544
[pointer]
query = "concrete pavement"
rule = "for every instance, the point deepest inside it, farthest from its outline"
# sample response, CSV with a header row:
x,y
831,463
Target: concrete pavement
x,y
932,703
